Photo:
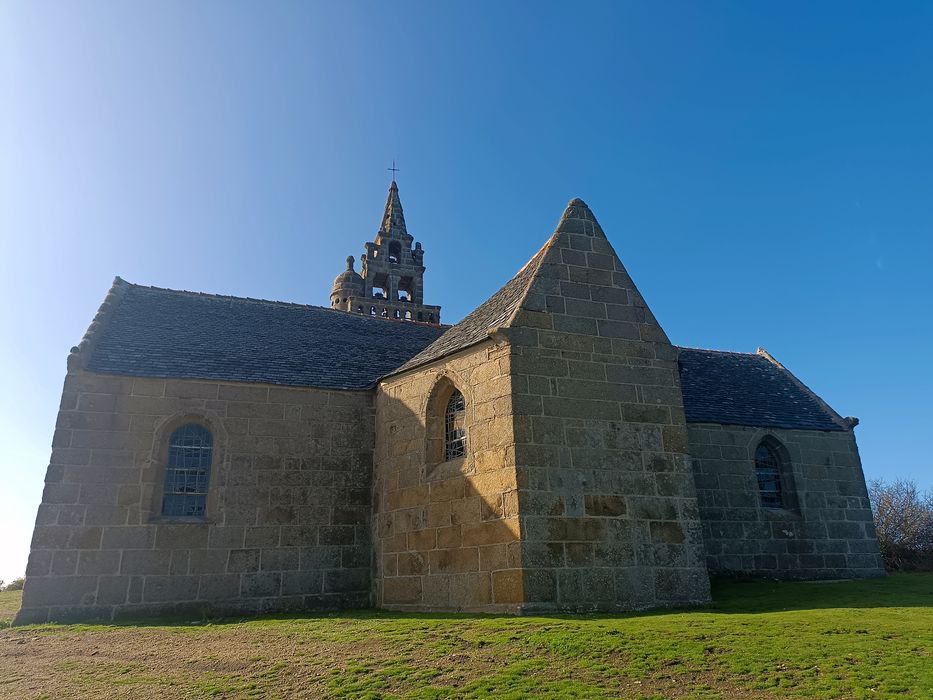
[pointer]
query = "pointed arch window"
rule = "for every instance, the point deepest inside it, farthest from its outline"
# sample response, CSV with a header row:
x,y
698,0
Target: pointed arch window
x,y
187,473
768,468
454,426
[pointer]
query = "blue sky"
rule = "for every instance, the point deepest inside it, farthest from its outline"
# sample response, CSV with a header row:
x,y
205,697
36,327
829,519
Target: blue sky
x,y
763,170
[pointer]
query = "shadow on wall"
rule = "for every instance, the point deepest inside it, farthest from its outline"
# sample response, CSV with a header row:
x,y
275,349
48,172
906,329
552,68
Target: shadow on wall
x,y
595,535
446,529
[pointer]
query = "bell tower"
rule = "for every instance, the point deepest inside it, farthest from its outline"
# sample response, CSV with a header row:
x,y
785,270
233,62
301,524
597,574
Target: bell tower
x,y
391,281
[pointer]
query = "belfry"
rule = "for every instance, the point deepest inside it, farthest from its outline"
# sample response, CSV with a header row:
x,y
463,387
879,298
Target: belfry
x,y
392,281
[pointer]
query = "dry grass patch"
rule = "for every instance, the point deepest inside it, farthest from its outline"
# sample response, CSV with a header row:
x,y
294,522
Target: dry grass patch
x,y
764,640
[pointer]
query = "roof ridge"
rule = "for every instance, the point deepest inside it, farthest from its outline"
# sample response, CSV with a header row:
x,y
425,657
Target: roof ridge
x,y
722,352
270,302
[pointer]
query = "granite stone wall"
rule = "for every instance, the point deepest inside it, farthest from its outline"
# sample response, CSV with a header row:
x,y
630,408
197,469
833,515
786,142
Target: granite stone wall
x,y
825,529
447,531
288,511
609,516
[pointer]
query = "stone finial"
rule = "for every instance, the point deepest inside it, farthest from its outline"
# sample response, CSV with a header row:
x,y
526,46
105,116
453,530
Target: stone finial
x,y
347,282
578,218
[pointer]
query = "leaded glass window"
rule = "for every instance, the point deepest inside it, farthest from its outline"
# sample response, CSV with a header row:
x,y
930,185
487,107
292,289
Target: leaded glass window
x,y
188,471
768,470
454,428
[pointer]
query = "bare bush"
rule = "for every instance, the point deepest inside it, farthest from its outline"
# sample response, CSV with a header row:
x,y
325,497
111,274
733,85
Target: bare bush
x,y
904,523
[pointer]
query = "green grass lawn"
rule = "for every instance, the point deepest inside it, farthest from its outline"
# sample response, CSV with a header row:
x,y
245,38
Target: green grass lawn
x,y
858,639
9,604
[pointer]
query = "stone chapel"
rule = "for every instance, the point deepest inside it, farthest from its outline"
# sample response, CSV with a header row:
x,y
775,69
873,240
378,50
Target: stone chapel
x,y
552,451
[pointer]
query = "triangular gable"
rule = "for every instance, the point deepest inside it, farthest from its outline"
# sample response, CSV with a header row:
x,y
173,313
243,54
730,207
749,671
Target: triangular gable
x,y
544,275
581,279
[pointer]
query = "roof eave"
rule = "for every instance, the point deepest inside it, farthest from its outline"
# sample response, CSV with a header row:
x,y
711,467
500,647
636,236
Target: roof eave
x,y
429,361
760,426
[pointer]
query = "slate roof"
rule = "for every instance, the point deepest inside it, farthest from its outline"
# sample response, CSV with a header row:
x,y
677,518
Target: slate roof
x,y
154,332
475,328
747,389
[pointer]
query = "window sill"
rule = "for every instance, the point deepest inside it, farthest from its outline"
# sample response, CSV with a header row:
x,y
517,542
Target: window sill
x,y
458,466
781,513
180,519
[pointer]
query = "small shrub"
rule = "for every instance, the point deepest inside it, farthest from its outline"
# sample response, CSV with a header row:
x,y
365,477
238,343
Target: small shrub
x,y
904,523
14,585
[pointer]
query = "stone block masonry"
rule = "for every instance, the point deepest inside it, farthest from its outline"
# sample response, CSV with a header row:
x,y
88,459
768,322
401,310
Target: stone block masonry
x,y
826,530
288,509
565,478
608,510
447,531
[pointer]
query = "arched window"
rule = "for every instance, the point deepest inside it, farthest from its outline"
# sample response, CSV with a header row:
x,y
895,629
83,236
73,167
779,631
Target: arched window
x,y
454,427
395,252
405,289
188,470
768,468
